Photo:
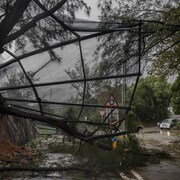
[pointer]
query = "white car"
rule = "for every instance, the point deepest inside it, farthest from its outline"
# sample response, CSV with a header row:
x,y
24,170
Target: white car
x,y
168,123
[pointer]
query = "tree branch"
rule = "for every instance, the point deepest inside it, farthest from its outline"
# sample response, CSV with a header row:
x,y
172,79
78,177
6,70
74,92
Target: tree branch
x,y
33,22
12,18
92,138
62,124
52,121
54,46
40,169
166,49
55,18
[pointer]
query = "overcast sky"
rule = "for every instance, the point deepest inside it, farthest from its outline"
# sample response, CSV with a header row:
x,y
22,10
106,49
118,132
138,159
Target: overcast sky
x,y
94,11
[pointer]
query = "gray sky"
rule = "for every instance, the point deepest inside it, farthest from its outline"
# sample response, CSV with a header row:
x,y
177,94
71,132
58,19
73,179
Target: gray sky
x,y
94,11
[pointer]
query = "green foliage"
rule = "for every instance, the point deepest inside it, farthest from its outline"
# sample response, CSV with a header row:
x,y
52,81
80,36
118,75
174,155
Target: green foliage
x,y
32,145
130,152
18,79
72,114
152,100
161,47
175,101
168,62
132,122
177,126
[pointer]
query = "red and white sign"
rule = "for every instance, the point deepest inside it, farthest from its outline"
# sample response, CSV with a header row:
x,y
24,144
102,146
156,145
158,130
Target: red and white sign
x,y
111,102
102,113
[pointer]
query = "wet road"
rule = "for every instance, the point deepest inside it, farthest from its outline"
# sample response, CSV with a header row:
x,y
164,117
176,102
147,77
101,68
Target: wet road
x,y
154,138
166,170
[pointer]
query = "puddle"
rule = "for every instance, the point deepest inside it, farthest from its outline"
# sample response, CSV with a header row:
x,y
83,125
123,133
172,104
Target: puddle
x,y
56,159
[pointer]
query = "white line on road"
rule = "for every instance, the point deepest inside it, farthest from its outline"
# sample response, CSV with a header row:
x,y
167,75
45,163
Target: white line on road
x,y
124,176
136,175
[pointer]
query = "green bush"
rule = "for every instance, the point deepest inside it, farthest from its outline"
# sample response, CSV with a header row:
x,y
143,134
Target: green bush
x,y
131,153
177,126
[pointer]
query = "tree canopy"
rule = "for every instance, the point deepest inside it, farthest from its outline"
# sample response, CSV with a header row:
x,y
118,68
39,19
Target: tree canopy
x,y
160,38
152,101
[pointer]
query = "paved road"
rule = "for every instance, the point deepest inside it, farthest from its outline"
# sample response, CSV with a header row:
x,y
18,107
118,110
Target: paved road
x,y
154,138
166,170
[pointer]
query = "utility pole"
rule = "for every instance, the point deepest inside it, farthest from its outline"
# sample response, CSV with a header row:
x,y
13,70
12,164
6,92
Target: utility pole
x,y
123,93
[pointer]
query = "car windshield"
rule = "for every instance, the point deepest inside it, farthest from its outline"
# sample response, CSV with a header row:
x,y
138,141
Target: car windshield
x,y
167,121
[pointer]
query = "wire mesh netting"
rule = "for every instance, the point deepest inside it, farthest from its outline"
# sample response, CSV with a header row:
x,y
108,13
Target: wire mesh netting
x,y
71,76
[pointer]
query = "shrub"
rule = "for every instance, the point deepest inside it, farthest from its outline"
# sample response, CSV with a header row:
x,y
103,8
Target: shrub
x,y
177,126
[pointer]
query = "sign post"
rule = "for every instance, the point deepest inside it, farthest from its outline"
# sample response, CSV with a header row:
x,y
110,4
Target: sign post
x,y
111,104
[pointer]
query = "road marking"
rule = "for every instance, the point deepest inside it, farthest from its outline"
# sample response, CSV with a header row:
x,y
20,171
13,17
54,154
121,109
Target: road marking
x,y
124,176
136,175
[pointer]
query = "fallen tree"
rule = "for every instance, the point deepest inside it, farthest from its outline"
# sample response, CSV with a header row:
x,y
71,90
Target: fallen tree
x,y
47,169
60,123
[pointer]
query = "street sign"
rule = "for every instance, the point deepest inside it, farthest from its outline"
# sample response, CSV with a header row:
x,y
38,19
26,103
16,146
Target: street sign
x,y
102,112
111,102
